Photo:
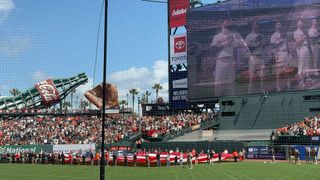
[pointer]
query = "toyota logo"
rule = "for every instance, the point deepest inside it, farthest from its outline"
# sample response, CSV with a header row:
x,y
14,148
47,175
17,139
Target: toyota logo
x,y
180,44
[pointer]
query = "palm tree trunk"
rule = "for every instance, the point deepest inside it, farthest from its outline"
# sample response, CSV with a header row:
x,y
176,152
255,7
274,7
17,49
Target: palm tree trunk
x,y
157,95
133,103
71,100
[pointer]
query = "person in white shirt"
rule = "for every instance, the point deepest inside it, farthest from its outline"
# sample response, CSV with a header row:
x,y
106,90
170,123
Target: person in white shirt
x,y
212,156
224,72
168,159
302,52
315,40
181,159
225,151
279,44
254,43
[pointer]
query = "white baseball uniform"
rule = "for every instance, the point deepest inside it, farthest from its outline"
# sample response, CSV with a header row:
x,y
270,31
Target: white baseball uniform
x,y
302,51
252,41
225,65
282,56
314,34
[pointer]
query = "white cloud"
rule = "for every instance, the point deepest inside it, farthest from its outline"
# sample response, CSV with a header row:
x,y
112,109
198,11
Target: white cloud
x,y
142,79
5,7
13,47
130,78
4,89
39,76
160,71
84,88
79,95
164,92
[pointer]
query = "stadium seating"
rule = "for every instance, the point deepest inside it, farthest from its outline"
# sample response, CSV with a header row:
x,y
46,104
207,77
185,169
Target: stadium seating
x,y
86,129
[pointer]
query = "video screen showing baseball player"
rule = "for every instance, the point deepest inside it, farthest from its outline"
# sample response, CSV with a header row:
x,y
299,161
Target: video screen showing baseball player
x,y
248,52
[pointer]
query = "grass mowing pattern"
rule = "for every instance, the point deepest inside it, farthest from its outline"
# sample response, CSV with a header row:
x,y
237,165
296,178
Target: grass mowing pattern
x,y
244,170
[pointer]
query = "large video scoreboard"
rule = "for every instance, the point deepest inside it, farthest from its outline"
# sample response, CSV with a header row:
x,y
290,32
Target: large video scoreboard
x,y
238,51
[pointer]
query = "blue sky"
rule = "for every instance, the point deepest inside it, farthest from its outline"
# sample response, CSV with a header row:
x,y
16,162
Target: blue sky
x,y
57,38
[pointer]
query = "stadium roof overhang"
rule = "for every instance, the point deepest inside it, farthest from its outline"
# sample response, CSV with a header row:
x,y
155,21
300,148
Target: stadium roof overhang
x,y
253,4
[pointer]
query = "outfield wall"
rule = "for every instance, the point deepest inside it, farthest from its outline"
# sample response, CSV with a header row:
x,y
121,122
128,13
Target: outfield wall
x,y
267,111
14,149
217,146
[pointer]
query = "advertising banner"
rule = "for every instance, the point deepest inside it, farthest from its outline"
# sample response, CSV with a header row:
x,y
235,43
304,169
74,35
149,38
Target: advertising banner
x,y
195,127
236,52
74,147
180,83
48,92
178,48
25,148
264,152
179,91
178,12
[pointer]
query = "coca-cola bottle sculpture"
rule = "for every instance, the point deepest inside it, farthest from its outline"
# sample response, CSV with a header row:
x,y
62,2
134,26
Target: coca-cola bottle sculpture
x,y
44,94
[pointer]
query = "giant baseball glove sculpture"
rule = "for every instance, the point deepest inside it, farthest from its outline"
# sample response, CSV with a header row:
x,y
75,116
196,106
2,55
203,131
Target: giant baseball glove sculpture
x,y
95,96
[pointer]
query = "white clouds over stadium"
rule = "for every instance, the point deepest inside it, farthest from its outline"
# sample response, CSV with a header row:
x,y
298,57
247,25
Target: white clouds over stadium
x,y
142,79
6,6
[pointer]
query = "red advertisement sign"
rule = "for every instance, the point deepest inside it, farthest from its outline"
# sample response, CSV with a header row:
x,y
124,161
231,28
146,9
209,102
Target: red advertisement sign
x,y
178,12
178,49
180,44
48,91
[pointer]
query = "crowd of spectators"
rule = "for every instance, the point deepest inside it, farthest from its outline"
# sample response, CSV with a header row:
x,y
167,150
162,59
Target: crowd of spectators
x,y
163,125
310,126
86,129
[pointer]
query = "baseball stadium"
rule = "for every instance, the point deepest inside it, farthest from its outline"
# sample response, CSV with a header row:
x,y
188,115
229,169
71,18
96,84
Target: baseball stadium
x,y
159,89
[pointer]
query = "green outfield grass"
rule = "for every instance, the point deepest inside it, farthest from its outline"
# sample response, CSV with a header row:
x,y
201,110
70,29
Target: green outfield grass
x,y
246,170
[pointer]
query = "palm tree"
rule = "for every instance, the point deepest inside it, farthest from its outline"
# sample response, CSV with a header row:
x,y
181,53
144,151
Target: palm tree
x,y
143,100
65,105
195,3
157,87
71,97
146,96
15,92
84,104
122,103
133,92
